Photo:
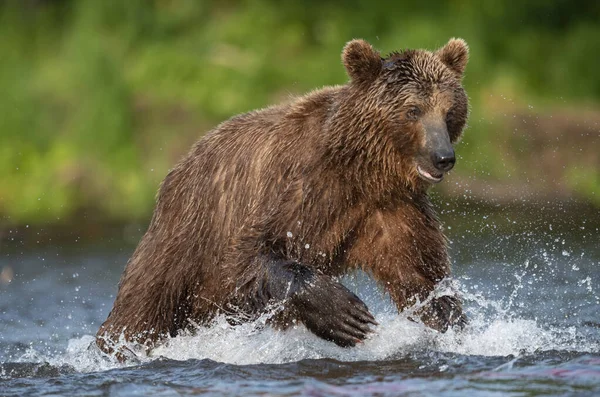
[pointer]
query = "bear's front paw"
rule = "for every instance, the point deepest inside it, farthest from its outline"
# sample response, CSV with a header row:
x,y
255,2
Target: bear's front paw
x,y
332,312
442,313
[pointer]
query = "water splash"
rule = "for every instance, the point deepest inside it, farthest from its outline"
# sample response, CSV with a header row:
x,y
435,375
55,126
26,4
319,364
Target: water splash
x,y
493,330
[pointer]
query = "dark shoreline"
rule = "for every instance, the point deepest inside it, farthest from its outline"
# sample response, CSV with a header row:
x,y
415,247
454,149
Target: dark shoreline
x,y
512,215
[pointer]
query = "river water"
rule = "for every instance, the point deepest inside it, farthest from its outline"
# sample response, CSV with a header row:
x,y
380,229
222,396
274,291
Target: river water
x,y
531,288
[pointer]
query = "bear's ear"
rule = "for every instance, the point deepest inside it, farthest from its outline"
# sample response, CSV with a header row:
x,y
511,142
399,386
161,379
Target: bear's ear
x,y
455,55
362,62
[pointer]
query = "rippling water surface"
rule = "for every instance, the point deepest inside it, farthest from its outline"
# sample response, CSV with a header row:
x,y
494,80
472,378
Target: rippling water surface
x,y
530,284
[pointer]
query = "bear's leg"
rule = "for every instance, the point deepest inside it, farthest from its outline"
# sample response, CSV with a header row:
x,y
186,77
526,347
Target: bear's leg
x,y
325,306
409,260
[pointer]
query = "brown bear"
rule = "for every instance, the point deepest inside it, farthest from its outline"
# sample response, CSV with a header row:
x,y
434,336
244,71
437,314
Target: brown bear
x,y
272,206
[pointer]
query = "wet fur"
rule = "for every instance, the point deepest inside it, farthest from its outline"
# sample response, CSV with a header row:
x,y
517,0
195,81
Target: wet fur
x,y
333,169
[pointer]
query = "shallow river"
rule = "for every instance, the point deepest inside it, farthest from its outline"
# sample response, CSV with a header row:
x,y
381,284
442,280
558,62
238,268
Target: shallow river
x,y
530,283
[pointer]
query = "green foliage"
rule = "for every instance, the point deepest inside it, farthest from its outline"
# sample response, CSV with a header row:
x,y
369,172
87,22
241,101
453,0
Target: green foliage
x,y
99,98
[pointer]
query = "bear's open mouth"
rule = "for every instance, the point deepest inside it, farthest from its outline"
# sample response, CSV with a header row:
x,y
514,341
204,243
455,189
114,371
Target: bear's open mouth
x,y
429,177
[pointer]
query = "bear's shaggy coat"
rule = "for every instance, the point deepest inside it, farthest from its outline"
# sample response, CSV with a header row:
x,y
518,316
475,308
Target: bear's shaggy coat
x,y
272,205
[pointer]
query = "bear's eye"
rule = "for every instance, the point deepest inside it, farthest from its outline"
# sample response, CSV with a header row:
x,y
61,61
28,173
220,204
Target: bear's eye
x,y
413,113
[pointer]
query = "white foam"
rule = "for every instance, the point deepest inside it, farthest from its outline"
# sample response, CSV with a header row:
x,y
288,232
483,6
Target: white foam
x,y
245,344
396,336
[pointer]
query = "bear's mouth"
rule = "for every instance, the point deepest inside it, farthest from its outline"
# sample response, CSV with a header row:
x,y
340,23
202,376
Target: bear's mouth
x,y
430,177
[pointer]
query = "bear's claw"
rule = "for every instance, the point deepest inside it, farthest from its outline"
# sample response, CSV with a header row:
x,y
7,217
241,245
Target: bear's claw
x,y
332,312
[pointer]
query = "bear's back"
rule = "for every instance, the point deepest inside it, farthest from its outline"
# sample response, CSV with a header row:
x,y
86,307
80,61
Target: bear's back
x,y
239,171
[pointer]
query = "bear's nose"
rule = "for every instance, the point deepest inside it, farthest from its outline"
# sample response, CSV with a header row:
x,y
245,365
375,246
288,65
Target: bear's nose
x,y
444,160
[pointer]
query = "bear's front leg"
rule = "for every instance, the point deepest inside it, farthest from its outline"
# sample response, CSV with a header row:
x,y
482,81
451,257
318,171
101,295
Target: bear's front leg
x,y
323,305
405,250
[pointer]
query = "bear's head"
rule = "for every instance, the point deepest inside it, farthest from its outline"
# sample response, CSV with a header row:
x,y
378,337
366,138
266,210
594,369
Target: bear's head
x,y
416,104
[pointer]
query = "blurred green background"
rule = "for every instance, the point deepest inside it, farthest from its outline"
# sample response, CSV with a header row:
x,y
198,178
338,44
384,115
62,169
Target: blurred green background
x,y
98,98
